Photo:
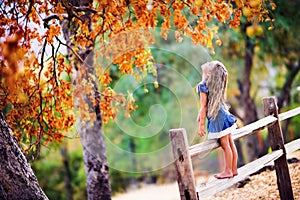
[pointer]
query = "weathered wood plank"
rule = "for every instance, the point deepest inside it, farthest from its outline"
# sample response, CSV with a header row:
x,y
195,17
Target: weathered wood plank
x,y
289,114
183,164
255,126
203,148
277,142
292,146
219,185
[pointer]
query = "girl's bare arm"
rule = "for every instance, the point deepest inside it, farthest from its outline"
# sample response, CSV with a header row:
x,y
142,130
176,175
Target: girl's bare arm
x,y
202,113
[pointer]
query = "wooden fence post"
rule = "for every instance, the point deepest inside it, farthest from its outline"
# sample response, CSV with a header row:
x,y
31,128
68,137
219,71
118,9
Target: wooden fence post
x,y
183,164
277,142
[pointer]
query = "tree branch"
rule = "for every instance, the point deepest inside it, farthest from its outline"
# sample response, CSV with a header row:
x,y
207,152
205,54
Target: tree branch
x,y
73,51
84,9
47,19
285,92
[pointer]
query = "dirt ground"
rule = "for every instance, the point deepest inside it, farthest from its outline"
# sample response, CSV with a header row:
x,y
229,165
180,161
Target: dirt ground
x,y
260,186
263,186
152,192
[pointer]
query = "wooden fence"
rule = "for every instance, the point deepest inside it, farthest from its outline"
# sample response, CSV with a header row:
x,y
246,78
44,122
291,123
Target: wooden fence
x,y
184,153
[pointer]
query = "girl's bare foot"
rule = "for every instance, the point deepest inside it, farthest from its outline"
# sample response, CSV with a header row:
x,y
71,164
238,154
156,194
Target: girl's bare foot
x,y
235,172
223,175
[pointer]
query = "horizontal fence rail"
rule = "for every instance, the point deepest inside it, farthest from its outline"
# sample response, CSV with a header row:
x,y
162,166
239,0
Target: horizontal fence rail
x,y
289,114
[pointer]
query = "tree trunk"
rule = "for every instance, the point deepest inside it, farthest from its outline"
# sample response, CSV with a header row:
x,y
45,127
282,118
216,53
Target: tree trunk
x,y
284,99
131,148
249,107
67,173
95,162
17,180
91,135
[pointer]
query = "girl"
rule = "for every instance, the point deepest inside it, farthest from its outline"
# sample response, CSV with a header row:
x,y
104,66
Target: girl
x,y
212,91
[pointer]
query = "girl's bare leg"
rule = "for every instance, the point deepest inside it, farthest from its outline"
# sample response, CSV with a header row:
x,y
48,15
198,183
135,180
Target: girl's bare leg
x,y
225,144
234,155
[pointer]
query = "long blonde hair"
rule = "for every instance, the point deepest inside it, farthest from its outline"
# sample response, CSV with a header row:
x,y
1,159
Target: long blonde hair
x,y
216,76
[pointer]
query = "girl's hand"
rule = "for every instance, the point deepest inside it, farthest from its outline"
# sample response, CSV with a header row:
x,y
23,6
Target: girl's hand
x,y
201,132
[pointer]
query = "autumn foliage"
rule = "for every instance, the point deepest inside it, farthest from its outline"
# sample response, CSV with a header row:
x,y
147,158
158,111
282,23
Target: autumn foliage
x,y
36,77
